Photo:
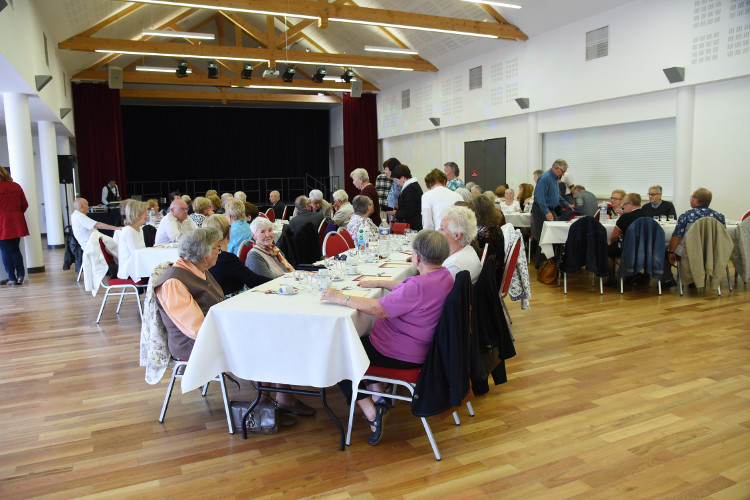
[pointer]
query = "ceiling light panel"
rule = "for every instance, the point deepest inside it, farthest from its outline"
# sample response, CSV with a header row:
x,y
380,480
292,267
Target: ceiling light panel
x,y
158,69
391,50
179,34
496,4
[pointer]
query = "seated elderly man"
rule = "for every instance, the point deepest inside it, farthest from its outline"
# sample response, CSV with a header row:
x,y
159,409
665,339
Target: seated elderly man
x,y
82,225
699,201
459,225
405,319
240,229
186,291
344,209
317,204
304,215
657,206
585,201
175,224
363,208
278,208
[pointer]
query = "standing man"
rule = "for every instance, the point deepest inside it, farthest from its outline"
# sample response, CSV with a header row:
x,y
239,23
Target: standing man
x,y
110,192
82,225
657,206
546,199
452,172
278,208
174,224
410,202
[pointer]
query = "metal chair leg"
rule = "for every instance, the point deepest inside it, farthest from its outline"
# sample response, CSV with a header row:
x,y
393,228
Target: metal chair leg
x,y
728,280
80,272
175,374
565,282
104,301
456,419
601,285
470,408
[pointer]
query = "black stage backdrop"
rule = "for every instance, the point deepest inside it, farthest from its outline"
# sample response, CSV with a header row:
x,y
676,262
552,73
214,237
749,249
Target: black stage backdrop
x,y
164,142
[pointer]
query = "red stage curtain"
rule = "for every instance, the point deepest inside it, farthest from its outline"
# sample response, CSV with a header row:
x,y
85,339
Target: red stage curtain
x,y
360,138
99,143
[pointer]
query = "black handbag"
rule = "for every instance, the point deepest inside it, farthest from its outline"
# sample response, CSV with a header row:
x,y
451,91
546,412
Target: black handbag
x,y
262,420
490,356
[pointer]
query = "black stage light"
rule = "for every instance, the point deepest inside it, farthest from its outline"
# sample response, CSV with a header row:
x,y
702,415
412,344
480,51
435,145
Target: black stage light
x,y
213,71
319,75
288,74
247,71
348,75
181,68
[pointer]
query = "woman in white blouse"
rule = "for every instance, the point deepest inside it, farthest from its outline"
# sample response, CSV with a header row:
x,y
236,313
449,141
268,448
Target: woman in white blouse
x,y
510,205
131,239
363,207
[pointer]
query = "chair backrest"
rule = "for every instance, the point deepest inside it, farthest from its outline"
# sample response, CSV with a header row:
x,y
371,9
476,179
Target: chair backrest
x,y
325,228
747,214
484,252
288,211
112,266
586,245
511,259
334,244
263,215
347,237
271,215
245,248
643,249
149,234
400,227
597,215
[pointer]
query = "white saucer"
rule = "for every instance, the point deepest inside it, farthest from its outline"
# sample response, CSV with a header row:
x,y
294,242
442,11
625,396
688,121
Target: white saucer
x,y
279,292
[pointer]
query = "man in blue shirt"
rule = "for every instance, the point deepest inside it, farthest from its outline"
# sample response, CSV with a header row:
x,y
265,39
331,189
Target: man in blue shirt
x,y
699,201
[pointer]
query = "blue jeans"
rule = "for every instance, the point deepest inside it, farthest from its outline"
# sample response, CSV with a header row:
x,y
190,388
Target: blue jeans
x,y
12,258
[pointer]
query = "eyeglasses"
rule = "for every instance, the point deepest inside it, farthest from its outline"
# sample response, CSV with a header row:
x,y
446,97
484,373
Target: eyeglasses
x,y
627,203
653,194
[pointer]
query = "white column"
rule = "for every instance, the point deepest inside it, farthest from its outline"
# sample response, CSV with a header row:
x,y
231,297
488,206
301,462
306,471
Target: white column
x,y
21,159
533,144
51,184
683,171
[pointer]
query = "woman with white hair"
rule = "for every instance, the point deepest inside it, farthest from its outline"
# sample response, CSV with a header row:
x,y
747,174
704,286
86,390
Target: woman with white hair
x,y
510,205
265,258
344,209
202,208
362,207
319,204
459,225
465,193
361,181
131,237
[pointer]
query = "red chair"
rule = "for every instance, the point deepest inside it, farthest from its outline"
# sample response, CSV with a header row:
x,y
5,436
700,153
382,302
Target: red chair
x,y
334,244
245,248
115,284
270,215
347,237
325,228
263,215
400,227
747,214
287,213
510,267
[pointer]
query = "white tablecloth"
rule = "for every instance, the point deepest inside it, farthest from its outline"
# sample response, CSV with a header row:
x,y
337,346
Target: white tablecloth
x,y
556,232
145,260
519,219
294,339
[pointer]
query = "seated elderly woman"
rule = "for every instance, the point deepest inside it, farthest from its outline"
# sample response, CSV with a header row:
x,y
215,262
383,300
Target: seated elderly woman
x,y
509,205
405,319
459,225
230,272
265,258
186,291
363,208
131,237
202,208
489,221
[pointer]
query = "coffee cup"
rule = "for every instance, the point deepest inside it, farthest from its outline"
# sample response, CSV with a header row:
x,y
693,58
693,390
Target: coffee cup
x,y
286,289
352,269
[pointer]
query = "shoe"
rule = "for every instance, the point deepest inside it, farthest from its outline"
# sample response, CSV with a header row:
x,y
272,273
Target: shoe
x,y
3,282
377,422
19,281
669,284
298,408
286,420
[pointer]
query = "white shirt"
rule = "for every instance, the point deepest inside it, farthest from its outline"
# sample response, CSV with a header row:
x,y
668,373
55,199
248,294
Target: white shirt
x,y
464,260
509,209
130,240
567,178
170,229
82,226
105,192
434,202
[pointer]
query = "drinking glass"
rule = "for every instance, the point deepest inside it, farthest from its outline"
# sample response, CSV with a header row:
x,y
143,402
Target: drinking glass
x,y
670,218
656,218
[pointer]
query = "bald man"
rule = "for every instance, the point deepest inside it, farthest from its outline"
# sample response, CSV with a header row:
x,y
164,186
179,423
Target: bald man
x,y
174,224
82,225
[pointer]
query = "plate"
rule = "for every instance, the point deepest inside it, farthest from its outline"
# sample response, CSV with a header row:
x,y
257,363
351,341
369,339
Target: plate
x,y
279,292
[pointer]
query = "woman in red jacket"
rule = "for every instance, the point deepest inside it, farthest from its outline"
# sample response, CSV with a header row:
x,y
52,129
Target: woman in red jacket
x,y
12,227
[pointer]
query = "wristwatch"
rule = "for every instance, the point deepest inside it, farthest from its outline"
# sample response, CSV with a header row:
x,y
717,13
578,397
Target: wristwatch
x,y
346,299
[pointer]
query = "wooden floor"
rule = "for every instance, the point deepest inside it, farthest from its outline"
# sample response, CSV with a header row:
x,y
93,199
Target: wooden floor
x,y
614,396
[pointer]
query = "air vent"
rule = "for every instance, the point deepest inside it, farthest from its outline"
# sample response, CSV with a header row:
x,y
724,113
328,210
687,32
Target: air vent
x,y
597,43
405,98
475,78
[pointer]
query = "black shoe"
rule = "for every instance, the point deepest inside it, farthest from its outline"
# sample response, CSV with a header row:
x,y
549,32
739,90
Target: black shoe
x,y
669,284
380,413
3,282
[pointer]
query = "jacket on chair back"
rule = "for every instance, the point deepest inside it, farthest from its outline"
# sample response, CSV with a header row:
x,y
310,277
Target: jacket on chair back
x,y
643,249
586,245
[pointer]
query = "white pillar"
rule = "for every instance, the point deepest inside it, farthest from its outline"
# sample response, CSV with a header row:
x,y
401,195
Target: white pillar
x,y
51,184
21,159
533,144
683,171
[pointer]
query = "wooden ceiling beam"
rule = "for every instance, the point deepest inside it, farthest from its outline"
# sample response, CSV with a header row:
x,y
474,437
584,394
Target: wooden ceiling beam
x,y
111,20
501,20
247,27
239,53
328,11
224,97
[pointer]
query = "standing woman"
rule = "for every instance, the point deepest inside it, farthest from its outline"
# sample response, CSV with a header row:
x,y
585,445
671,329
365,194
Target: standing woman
x,y
12,227
361,181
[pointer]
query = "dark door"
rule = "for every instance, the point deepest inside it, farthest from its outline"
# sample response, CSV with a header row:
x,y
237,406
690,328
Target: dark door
x,y
484,162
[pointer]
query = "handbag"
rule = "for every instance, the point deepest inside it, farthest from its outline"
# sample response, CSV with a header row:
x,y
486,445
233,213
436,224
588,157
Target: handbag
x,y
490,358
547,274
262,420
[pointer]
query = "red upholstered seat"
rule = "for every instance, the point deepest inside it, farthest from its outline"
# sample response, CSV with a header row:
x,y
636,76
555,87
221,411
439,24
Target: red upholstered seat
x,y
410,375
118,281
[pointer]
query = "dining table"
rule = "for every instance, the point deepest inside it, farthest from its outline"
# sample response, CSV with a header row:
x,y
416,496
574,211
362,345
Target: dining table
x,y
145,260
289,336
519,219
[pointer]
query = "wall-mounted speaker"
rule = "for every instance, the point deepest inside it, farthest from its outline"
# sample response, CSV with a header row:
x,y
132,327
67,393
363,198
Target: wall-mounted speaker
x,y
435,121
115,77
523,102
357,88
3,4
675,74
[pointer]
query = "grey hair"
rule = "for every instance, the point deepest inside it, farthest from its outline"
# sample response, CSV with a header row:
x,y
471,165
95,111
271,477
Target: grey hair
x,y
196,245
224,196
201,204
491,195
257,222
452,165
361,173
465,193
431,247
470,185
657,187
235,209
240,195
300,203
316,194
460,220
134,209
361,204
560,163
340,195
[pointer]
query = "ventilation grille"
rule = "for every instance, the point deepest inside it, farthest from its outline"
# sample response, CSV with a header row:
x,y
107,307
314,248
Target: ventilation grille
x,y
597,43
475,78
405,98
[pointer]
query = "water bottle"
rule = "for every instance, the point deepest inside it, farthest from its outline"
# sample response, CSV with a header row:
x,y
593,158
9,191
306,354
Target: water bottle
x,y
361,240
151,215
384,229
603,212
